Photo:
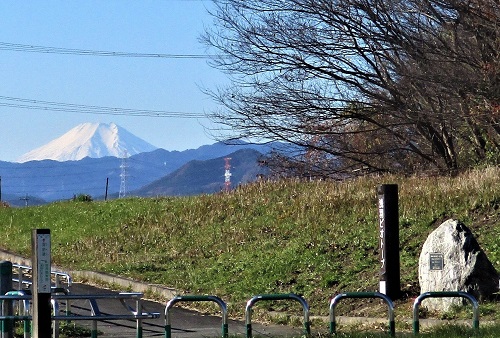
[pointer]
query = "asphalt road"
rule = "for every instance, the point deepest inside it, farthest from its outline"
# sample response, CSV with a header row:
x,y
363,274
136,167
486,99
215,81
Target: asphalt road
x,y
184,323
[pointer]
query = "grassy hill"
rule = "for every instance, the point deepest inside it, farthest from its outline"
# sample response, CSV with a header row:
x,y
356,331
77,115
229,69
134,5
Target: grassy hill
x,y
313,238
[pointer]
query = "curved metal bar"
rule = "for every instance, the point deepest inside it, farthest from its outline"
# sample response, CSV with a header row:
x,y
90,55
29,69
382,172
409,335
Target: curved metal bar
x,y
194,298
95,314
339,297
24,270
25,310
288,296
443,294
55,312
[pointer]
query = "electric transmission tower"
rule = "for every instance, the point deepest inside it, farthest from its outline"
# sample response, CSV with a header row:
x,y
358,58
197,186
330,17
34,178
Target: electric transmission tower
x,y
123,176
227,174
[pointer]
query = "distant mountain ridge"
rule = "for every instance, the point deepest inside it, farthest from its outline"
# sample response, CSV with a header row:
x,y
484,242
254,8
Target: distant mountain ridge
x,y
94,140
206,177
89,159
53,180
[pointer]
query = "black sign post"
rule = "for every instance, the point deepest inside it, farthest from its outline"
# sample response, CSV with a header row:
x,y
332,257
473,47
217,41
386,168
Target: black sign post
x,y
40,246
389,240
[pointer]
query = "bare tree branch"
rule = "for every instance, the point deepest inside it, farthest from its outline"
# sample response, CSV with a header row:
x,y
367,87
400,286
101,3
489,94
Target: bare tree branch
x,y
382,85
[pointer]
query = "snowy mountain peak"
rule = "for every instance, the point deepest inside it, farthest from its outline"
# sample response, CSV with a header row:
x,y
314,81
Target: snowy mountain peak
x,y
90,140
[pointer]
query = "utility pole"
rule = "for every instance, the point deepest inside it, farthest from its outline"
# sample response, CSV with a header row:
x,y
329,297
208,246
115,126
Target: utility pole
x,y
107,185
227,175
25,199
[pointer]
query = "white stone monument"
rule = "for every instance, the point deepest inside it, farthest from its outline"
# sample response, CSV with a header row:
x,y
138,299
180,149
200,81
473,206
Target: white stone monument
x,y
452,260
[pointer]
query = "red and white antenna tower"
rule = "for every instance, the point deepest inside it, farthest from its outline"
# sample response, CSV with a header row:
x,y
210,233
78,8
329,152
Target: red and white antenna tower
x,y
227,174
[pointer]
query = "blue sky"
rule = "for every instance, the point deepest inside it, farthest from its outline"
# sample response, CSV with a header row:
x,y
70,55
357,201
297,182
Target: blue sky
x,y
146,26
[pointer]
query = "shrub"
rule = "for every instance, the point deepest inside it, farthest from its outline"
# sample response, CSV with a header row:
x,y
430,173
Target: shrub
x,y
82,198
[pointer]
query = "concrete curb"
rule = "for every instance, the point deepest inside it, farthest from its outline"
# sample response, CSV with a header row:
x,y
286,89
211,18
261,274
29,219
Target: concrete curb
x,y
11,257
149,290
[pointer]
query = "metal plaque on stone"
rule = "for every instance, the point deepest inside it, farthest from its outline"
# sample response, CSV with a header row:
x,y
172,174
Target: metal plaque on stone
x,y
436,261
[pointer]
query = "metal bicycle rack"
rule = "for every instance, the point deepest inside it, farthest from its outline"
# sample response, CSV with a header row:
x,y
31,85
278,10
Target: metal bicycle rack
x,y
24,311
289,296
135,314
23,277
22,300
55,307
96,315
443,294
215,299
336,300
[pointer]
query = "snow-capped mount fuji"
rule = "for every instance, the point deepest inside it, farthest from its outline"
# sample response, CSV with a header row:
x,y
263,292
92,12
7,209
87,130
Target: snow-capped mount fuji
x,y
93,140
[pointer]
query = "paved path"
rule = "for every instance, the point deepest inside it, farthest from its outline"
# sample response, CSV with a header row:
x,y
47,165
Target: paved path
x,y
185,323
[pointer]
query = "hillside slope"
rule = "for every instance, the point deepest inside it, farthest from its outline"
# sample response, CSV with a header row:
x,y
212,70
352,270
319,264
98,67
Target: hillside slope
x,y
314,238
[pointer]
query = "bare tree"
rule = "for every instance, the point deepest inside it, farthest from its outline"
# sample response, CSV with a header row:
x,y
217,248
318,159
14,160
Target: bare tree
x,y
362,85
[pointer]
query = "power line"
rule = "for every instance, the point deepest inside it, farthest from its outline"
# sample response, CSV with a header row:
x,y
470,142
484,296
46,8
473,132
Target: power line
x,y
17,47
21,103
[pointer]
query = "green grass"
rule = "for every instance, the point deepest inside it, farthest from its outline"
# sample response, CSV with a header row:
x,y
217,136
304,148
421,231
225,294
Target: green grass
x,y
439,332
66,330
312,238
